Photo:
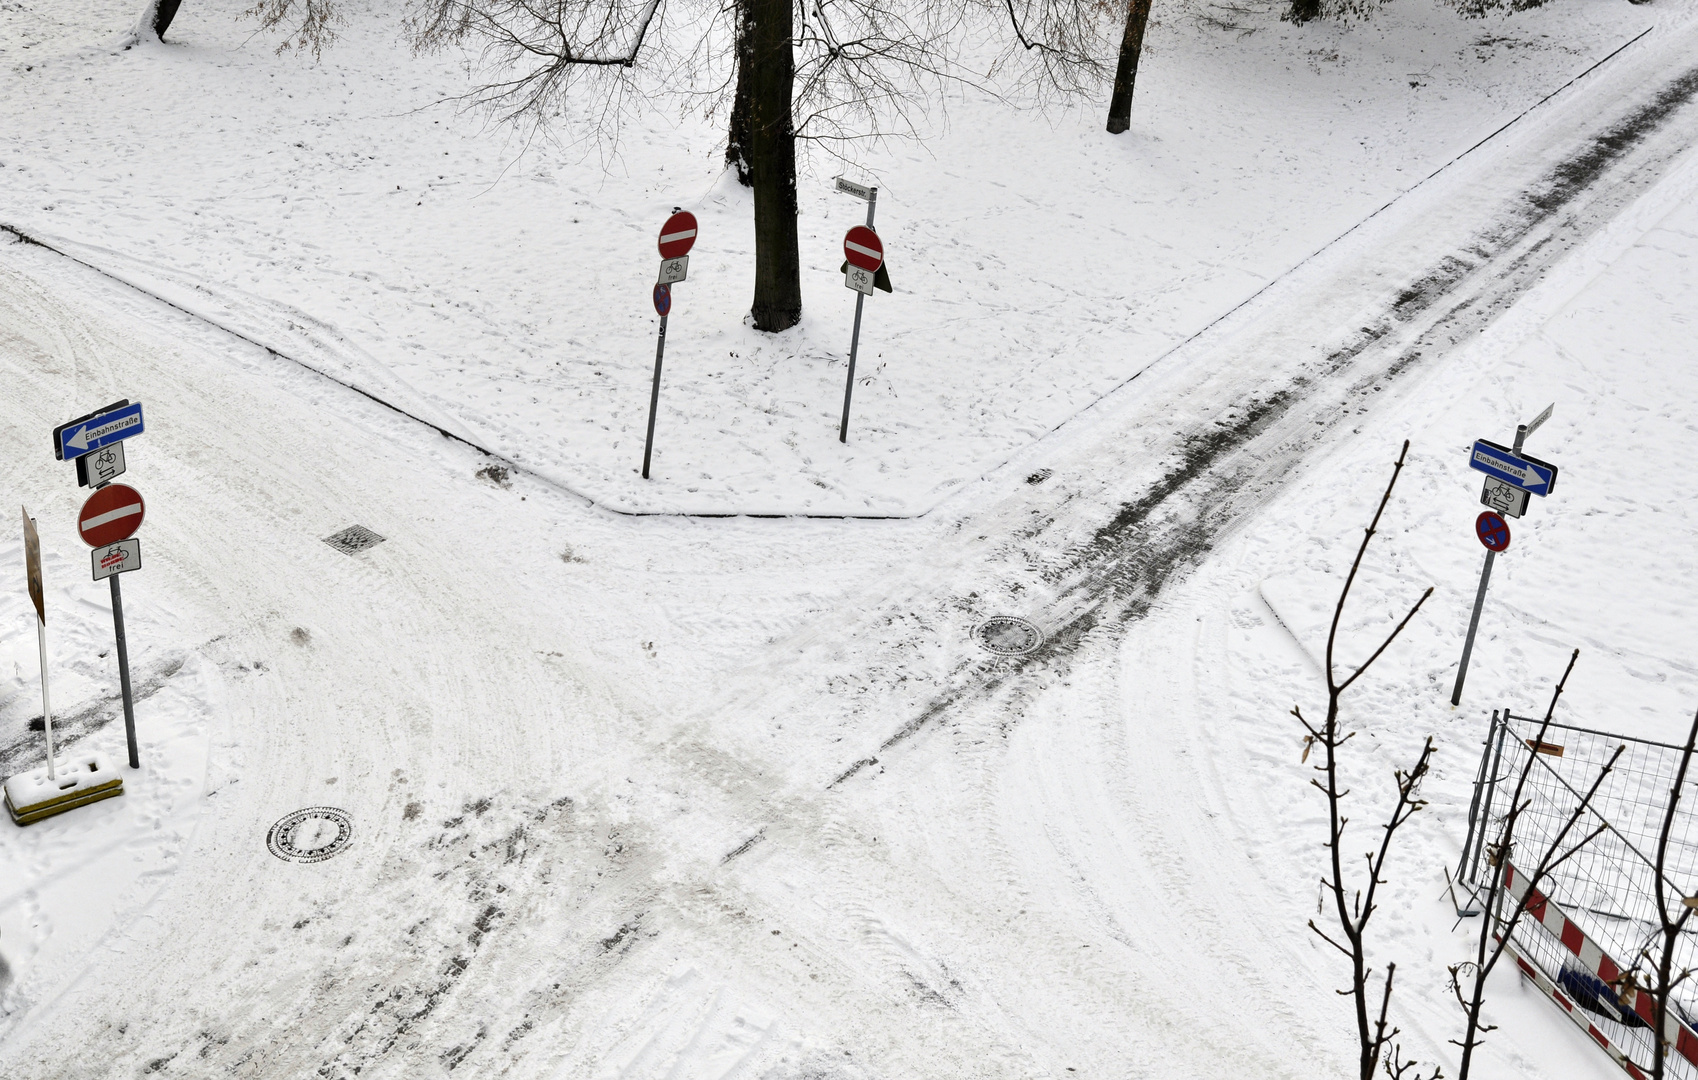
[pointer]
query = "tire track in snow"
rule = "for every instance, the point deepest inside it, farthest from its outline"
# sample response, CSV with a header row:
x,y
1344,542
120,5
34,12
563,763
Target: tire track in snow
x,y
1219,473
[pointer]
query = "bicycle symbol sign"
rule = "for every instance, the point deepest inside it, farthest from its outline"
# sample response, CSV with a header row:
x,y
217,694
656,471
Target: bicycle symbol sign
x,y
1492,530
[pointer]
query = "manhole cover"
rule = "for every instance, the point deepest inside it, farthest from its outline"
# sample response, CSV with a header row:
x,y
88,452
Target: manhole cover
x,y
310,835
353,538
1007,636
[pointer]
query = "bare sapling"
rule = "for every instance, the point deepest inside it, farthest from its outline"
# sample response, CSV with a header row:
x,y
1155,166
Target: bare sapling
x,y
1494,937
1355,906
1662,989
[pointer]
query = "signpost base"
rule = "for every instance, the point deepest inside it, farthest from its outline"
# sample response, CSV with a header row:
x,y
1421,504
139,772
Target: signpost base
x,y
33,796
46,698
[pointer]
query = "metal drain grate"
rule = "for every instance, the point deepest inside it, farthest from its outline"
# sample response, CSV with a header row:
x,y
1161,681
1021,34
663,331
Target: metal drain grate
x,y
1006,635
352,539
310,835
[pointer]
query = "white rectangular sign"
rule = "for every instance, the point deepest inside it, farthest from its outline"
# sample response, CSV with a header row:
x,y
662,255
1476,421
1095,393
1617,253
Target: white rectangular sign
x,y
860,191
1504,497
101,466
672,271
859,280
119,558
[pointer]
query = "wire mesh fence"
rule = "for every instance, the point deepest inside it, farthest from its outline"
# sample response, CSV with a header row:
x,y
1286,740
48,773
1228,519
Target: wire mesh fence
x,y
1607,889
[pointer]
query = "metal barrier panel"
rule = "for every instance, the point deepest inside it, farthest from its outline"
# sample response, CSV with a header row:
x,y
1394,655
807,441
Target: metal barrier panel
x,y
1591,930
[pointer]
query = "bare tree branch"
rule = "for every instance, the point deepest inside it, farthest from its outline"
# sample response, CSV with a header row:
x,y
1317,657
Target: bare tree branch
x,y
1488,953
1354,908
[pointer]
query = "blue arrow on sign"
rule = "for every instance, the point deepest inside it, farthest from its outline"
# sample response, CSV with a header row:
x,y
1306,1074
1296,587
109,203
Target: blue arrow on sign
x,y
81,437
1534,476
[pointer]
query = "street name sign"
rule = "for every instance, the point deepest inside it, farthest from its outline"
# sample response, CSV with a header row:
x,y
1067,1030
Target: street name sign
x,y
860,191
678,235
119,558
1536,476
79,437
111,514
1533,424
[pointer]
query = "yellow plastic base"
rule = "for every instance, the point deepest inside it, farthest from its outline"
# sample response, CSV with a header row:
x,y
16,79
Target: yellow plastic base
x,y
81,798
87,778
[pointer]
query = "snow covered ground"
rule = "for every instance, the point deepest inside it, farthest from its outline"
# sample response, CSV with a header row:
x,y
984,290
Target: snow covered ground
x,y
676,797
337,212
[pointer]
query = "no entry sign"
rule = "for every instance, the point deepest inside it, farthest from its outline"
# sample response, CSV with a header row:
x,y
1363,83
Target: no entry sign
x,y
862,248
111,514
1492,530
678,235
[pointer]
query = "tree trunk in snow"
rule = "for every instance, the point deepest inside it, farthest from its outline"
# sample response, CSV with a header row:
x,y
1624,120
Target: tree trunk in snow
x,y
163,12
1131,46
737,138
772,158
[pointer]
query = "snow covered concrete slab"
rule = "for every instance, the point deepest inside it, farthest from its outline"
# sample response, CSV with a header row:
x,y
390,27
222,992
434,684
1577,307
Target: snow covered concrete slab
x,y
79,780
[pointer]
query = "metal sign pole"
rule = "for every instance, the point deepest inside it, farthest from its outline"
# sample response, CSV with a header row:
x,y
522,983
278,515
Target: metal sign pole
x,y
38,599
46,701
855,334
1473,625
124,672
849,385
654,396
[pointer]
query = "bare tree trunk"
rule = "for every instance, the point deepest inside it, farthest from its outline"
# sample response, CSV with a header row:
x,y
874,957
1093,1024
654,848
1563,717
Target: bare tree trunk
x,y
737,138
772,160
1131,47
163,13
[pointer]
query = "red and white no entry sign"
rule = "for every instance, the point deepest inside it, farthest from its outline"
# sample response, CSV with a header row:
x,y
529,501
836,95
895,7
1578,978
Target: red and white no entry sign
x,y
862,248
678,235
111,514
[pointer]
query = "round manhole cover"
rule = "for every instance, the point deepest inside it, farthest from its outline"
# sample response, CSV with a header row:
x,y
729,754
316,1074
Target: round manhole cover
x,y
310,835
1007,636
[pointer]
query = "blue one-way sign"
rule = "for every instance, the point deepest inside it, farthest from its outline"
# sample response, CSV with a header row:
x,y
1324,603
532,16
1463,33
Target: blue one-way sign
x,y
102,429
1536,476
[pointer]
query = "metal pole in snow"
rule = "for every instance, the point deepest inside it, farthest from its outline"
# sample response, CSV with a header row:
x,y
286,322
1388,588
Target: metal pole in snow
x,y
124,672
1473,625
855,335
46,701
1491,793
849,386
654,396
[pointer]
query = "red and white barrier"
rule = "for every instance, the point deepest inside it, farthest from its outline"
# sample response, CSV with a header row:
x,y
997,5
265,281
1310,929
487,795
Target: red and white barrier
x,y
1595,960
1575,1013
